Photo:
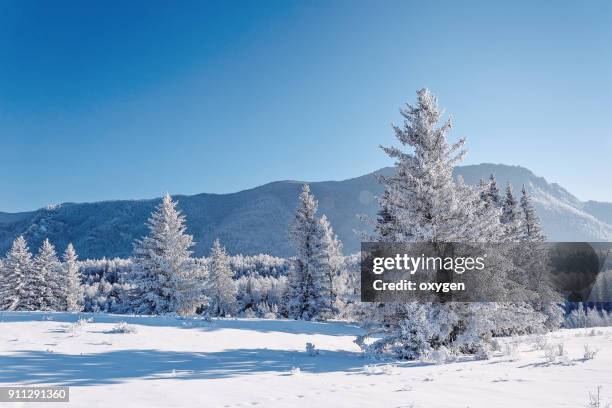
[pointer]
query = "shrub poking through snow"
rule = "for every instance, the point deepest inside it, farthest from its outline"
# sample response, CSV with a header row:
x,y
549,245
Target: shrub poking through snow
x,y
589,353
554,352
540,342
594,332
374,369
595,400
311,350
79,324
123,328
295,371
511,350
441,356
483,353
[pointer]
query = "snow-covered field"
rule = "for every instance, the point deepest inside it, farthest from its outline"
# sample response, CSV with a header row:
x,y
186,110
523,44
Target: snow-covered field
x,y
172,362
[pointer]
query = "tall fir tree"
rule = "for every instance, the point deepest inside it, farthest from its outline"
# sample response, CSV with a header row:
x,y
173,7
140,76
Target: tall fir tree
x,y
428,205
511,217
536,255
16,290
47,277
166,279
483,188
305,298
489,192
425,202
221,289
494,196
383,227
73,294
531,221
329,264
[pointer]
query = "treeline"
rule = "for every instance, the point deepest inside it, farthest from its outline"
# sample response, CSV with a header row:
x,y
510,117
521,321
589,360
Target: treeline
x,y
106,282
163,277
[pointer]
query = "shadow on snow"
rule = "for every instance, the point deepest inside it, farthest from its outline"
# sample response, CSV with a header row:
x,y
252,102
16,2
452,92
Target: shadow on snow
x,y
40,367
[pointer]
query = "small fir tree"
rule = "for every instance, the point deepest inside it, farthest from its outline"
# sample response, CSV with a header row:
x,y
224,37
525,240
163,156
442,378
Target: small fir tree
x,y
73,294
221,289
166,278
15,285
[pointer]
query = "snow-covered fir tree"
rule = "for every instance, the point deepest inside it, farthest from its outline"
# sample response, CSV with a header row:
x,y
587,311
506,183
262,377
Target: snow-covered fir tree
x,y
493,194
489,192
383,227
165,278
426,204
16,291
531,222
47,278
536,256
511,216
220,287
423,199
305,297
328,264
73,293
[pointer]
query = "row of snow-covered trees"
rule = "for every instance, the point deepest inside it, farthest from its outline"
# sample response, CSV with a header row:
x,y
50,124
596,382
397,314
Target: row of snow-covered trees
x,y
163,277
166,278
519,220
42,282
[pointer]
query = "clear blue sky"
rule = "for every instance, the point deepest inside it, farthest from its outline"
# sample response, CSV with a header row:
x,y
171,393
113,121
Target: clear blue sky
x,y
108,99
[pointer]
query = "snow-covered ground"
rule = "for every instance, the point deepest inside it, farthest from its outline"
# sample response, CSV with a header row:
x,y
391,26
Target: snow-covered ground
x,y
171,362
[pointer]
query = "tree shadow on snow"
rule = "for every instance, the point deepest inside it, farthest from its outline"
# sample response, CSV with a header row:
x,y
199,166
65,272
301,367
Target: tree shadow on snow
x,y
40,367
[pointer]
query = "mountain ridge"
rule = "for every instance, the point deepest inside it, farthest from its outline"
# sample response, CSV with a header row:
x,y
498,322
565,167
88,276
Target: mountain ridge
x,y
256,220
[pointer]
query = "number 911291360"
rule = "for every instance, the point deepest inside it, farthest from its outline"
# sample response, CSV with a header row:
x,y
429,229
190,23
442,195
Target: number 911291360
x,y
32,394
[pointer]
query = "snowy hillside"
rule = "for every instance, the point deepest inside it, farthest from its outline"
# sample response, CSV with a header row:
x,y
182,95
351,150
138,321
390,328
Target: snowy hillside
x,y
255,221
563,216
239,363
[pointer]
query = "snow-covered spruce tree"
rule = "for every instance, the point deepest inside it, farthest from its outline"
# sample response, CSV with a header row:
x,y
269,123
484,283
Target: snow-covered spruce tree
x,y
165,277
15,290
47,278
426,204
305,297
73,293
531,222
383,227
329,263
536,254
490,192
520,311
511,217
220,287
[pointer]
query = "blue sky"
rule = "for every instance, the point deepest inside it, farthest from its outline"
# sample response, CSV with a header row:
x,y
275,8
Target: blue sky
x,y
106,100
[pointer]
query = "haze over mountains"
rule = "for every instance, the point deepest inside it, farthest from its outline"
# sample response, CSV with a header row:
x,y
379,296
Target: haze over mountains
x,y
256,220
